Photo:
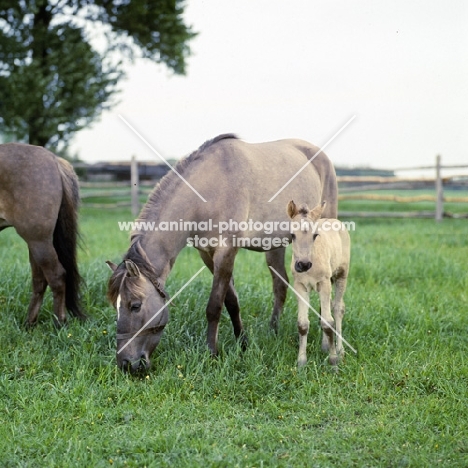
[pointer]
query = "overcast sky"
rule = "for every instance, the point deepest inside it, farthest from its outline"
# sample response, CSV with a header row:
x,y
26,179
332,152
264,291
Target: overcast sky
x,y
272,69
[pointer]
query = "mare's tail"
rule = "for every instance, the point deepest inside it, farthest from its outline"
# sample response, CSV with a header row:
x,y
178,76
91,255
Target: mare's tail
x,y
66,237
330,194
329,188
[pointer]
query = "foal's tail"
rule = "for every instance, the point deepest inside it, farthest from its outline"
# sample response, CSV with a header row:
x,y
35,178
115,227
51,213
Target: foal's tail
x,y
66,237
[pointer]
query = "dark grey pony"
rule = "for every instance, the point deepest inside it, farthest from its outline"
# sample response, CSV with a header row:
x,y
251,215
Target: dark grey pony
x,y
240,185
39,197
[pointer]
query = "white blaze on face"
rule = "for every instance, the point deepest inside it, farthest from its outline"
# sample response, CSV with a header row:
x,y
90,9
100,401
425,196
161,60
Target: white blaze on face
x,y
118,306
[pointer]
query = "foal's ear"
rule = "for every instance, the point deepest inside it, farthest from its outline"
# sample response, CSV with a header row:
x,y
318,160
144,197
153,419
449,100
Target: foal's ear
x,y
316,213
132,269
291,209
111,265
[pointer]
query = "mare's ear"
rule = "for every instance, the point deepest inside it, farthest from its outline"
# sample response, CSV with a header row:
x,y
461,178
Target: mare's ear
x,y
316,213
315,236
132,269
291,209
111,265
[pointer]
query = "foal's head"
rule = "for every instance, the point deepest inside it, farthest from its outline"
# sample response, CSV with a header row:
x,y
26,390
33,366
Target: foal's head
x,y
303,233
141,312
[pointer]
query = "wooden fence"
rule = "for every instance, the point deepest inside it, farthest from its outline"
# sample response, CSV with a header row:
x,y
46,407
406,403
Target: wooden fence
x,y
349,184
116,190
350,188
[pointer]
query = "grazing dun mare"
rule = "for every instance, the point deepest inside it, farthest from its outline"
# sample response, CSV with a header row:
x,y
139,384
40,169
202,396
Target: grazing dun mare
x,y
238,182
321,254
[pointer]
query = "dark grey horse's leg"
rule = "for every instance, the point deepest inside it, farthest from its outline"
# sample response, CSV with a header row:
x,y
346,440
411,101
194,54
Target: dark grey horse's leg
x,y
275,259
45,258
231,301
223,265
39,285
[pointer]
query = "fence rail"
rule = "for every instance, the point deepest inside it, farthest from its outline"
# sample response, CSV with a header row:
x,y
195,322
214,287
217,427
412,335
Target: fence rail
x,y
349,184
402,199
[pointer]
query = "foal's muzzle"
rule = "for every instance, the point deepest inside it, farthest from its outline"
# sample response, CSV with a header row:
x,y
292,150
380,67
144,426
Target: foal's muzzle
x,y
302,267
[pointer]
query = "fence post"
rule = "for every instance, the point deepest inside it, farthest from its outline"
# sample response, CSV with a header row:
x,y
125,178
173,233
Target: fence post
x,y
135,189
439,191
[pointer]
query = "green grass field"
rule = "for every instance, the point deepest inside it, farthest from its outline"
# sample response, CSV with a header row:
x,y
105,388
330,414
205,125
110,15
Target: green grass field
x,y
399,402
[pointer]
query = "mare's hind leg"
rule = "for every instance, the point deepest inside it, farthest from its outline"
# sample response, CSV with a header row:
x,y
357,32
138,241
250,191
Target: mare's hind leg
x,y
223,265
275,259
46,259
39,285
231,301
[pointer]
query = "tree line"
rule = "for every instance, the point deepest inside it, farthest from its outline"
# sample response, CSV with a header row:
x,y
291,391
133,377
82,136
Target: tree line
x,y
55,81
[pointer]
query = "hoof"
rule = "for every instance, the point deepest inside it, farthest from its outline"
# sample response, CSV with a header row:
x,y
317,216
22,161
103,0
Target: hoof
x,y
58,324
213,349
214,356
81,317
301,362
29,325
334,360
274,325
243,341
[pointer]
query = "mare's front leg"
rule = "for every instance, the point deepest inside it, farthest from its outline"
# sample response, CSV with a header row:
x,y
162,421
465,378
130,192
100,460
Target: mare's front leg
x,y
327,323
223,265
302,321
275,259
231,301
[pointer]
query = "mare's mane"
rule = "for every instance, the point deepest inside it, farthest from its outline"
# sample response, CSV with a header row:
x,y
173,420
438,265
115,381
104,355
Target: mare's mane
x,y
172,178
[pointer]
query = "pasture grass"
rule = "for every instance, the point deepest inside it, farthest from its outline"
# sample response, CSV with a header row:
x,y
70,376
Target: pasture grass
x,y
399,402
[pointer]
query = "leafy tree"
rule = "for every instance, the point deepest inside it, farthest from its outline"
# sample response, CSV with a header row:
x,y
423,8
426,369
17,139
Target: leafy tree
x,y
61,60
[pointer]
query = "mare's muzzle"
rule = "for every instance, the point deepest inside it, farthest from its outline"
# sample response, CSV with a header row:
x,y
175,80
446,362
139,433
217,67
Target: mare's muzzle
x,y
137,358
135,366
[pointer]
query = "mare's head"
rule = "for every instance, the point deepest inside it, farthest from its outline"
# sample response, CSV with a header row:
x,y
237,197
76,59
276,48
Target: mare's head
x,y
303,233
140,300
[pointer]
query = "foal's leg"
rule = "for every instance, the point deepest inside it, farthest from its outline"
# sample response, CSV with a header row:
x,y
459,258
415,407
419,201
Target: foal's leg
x,y
231,301
223,265
338,313
326,321
275,259
39,285
302,321
46,259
